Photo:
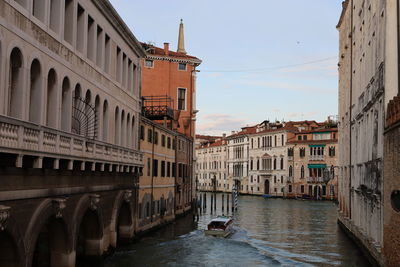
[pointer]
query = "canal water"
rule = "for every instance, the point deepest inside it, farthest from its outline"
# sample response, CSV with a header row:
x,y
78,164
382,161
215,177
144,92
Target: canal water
x,y
268,232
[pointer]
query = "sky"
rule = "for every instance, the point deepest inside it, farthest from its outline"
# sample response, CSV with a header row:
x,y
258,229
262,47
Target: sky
x,y
262,59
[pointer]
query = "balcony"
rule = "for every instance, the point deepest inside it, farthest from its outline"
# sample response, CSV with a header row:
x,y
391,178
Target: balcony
x,y
290,180
265,172
25,138
316,180
317,157
158,107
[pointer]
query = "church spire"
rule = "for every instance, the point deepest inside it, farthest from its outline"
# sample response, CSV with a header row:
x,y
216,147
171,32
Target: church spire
x,y
181,39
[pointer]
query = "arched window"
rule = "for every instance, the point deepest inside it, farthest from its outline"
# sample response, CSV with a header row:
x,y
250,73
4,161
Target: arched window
x,y
105,121
51,107
302,172
281,163
66,105
87,117
98,113
251,165
258,164
116,126
123,129
133,133
128,130
35,99
290,171
274,164
15,95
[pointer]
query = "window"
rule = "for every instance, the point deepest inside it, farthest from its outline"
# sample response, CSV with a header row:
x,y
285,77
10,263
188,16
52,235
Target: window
x,y
299,137
168,169
80,31
142,132
148,63
181,98
290,152
282,140
162,168
302,152
290,171
290,188
155,167
55,16
281,163
149,135
169,142
302,172
155,138
91,41
305,137
302,189
163,140
68,23
148,167
332,151
173,170
182,66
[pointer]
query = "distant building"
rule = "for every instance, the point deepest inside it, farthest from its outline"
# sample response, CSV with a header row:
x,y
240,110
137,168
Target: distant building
x,y
312,160
259,160
211,166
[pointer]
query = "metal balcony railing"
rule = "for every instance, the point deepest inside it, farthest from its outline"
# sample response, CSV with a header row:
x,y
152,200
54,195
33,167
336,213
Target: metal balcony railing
x,y
317,157
157,107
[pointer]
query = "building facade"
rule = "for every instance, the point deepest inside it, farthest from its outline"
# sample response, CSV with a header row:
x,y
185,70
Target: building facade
x,y
69,117
273,159
312,160
156,197
368,80
211,166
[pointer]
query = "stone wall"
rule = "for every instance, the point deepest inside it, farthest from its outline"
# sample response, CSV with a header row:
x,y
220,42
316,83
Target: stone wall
x,y
391,246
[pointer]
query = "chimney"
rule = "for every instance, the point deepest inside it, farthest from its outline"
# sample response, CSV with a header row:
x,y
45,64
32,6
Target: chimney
x,y
166,49
224,135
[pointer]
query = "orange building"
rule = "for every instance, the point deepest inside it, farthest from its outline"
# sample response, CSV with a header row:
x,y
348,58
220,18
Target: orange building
x,y
169,79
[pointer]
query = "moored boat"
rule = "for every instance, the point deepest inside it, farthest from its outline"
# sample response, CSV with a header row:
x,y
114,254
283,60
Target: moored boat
x,y
221,227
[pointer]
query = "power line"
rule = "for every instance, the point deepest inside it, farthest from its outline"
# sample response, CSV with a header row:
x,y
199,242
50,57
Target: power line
x,y
274,68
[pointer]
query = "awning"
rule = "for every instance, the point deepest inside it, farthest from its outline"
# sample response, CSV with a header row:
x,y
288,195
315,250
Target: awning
x,y
317,145
316,166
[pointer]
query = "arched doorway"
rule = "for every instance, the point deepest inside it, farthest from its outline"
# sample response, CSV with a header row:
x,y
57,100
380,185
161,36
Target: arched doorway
x,y
90,233
8,253
124,224
266,187
317,192
51,244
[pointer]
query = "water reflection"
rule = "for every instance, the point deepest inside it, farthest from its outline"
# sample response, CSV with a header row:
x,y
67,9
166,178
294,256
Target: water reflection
x,y
269,232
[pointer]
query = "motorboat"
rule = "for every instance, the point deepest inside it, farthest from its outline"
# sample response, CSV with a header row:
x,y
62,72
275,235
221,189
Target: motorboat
x,y
220,227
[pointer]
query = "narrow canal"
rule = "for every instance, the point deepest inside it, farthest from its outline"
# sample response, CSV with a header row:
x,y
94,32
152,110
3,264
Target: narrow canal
x,y
269,232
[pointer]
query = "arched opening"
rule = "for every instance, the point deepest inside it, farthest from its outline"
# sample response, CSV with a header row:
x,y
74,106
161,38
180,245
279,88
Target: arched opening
x,y
317,192
133,145
97,111
51,107
35,100
124,224
266,187
86,119
105,121
89,237
66,106
8,253
51,248
116,126
16,82
128,130
123,129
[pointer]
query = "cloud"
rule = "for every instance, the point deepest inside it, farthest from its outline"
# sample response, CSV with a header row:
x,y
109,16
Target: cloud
x,y
300,115
217,124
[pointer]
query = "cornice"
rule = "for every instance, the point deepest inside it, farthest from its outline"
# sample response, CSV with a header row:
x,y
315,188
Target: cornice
x,y
116,21
173,59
